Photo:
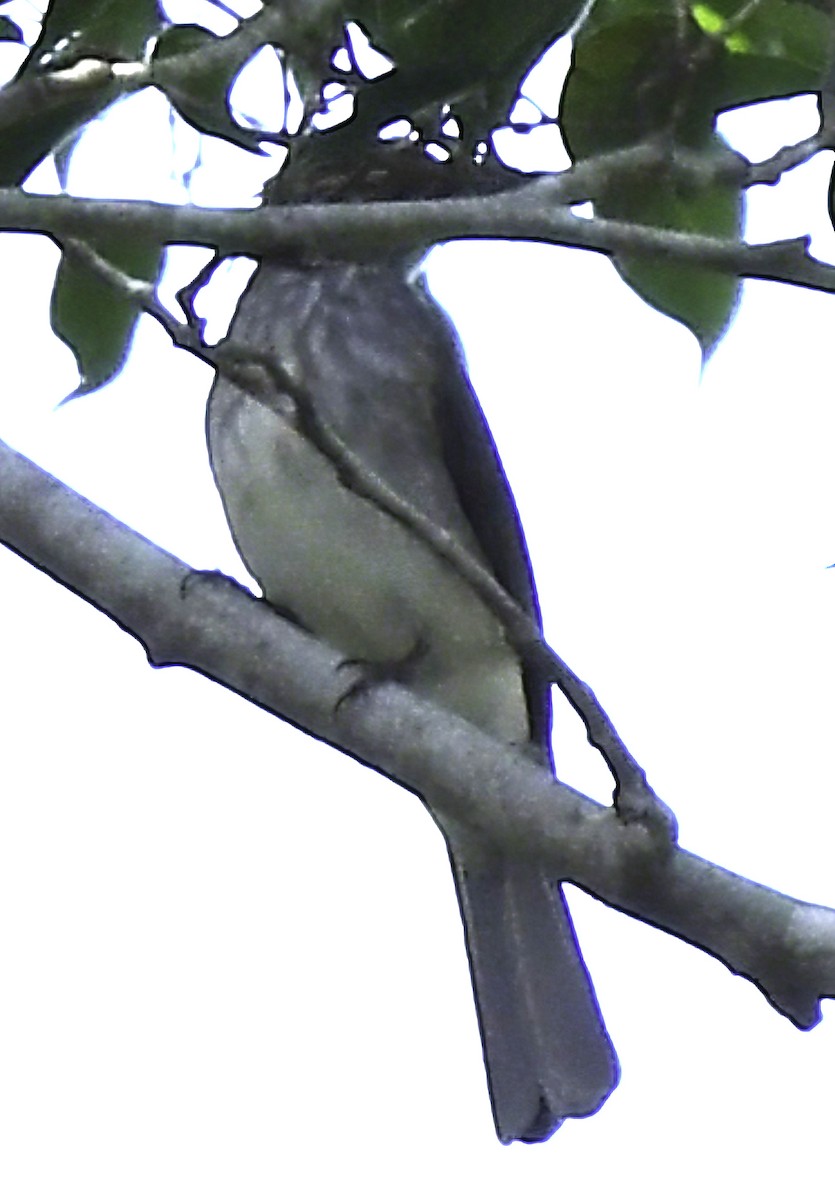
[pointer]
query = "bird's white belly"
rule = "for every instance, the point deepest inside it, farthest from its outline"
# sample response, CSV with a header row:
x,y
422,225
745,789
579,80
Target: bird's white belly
x,y
353,574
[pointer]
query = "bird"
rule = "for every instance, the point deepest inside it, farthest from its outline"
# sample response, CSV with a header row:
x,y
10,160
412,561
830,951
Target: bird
x,y
362,351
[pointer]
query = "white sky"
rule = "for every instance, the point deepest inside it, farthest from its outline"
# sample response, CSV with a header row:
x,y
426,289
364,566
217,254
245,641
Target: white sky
x,y
233,964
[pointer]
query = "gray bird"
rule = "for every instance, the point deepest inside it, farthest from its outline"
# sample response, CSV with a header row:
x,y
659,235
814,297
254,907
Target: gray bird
x,y
379,365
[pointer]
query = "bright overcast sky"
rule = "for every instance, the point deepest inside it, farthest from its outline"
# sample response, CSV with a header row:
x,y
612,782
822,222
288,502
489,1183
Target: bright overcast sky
x,y
233,961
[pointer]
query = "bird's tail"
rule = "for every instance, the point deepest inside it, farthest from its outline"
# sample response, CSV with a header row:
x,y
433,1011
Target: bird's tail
x,y
546,1049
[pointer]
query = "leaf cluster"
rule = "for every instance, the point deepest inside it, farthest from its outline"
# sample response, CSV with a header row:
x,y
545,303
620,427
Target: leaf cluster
x,y
644,74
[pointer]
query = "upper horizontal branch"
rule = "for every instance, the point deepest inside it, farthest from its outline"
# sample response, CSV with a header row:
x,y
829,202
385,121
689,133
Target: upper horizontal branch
x,y
369,231
786,947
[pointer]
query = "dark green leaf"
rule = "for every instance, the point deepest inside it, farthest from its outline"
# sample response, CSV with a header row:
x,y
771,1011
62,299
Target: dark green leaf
x,y
646,72
96,319
780,49
9,31
42,109
643,69
631,79
62,156
196,69
702,299
471,54
39,112
110,29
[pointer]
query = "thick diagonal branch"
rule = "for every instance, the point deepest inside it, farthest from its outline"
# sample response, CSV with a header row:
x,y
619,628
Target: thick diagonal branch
x,y
786,947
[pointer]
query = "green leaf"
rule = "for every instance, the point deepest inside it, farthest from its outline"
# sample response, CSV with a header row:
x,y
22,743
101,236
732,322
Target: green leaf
x,y
9,31
471,54
62,156
109,29
779,49
630,79
702,298
642,68
196,69
644,72
52,107
95,318
39,115
468,41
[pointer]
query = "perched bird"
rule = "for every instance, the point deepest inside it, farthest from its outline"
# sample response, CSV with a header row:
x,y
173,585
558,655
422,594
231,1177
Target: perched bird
x,y
363,352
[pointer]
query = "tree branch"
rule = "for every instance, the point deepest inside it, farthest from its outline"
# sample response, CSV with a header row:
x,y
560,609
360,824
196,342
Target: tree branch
x,y
43,106
786,947
53,92
373,231
788,157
